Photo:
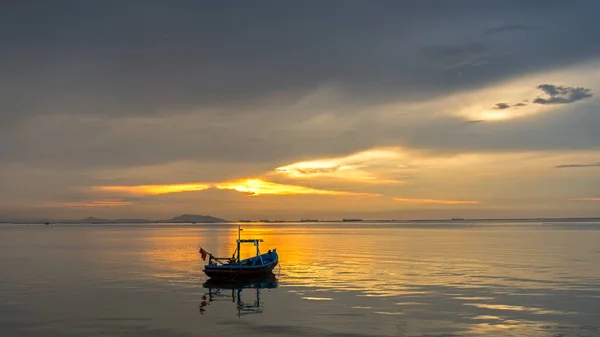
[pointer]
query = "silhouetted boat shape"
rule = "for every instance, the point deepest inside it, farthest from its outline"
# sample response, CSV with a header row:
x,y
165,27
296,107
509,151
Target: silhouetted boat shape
x,y
268,281
235,268
219,291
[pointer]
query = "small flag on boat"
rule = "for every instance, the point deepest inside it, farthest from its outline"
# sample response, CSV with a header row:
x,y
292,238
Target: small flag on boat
x,y
203,253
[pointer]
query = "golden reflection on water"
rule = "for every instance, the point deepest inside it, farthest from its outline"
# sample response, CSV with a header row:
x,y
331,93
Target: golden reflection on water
x,y
317,298
410,269
488,317
538,311
383,262
488,282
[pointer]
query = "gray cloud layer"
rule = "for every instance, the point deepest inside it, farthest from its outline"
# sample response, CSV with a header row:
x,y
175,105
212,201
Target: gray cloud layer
x,y
509,28
153,57
578,165
114,85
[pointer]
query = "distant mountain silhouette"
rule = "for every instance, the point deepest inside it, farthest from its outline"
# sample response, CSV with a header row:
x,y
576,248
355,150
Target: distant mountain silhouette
x,y
185,218
194,218
91,219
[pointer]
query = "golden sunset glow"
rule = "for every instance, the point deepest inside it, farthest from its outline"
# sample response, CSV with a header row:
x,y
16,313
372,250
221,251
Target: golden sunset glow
x,y
488,112
155,189
477,118
493,115
436,201
261,187
517,94
366,166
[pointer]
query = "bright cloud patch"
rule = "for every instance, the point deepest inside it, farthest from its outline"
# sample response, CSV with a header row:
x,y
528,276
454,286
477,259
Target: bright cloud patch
x,y
261,187
586,199
436,201
372,166
520,97
155,189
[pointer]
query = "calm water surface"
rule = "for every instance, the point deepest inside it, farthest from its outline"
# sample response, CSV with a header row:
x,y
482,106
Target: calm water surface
x,y
536,279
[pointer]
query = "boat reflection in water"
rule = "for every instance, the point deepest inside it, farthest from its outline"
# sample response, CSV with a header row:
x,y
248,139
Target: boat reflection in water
x,y
225,291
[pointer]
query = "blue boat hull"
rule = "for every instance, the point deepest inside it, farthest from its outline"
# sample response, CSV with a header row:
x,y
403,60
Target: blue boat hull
x,y
248,268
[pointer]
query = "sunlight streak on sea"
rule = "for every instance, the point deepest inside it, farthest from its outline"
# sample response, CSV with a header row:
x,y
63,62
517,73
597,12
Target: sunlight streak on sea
x,y
381,279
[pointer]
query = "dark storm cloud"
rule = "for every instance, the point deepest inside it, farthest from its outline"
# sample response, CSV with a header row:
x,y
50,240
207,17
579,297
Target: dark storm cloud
x,y
226,81
502,106
153,57
578,165
562,94
509,28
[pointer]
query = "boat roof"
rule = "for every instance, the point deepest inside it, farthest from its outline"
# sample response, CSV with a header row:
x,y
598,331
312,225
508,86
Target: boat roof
x,y
250,240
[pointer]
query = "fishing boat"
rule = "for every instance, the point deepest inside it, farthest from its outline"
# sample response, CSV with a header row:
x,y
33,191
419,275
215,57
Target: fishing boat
x,y
235,267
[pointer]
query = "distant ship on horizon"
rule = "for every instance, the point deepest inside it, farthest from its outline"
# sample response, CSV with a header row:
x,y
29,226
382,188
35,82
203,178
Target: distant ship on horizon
x,y
351,220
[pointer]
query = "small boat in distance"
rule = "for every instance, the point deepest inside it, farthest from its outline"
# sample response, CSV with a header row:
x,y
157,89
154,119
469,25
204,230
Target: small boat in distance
x,y
352,220
235,268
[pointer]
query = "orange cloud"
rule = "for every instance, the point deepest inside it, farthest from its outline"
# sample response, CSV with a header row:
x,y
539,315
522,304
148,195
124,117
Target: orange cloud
x,y
96,203
585,199
261,187
436,201
155,189
251,186
366,166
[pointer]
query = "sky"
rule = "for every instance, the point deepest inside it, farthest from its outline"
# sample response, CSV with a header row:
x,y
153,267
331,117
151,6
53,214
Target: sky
x,y
312,109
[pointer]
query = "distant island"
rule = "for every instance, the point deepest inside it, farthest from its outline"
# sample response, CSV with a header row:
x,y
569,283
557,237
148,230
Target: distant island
x,y
191,218
184,218
92,219
196,218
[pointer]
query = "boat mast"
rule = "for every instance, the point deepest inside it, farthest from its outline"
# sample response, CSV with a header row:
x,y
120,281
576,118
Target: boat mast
x,y
238,244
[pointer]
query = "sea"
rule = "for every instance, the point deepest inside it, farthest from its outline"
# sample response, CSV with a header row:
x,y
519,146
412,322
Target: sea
x,y
461,278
